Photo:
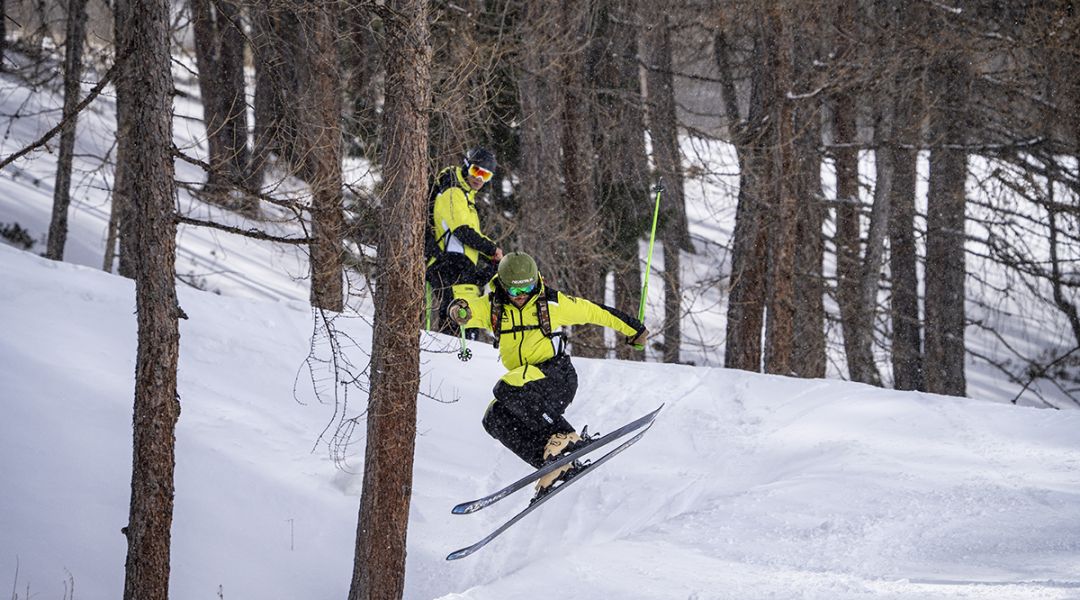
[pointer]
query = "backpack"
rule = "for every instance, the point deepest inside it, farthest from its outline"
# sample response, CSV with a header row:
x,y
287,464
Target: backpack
x,y
442,181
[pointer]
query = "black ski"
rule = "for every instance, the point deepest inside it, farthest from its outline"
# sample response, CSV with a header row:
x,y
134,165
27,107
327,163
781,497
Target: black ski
x,y
462,553
470,507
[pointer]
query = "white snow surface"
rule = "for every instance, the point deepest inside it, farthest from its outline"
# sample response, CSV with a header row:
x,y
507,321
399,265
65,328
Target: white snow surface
x,y
748,486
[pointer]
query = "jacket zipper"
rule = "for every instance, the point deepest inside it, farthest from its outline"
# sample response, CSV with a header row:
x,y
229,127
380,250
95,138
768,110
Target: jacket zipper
x,y
513,327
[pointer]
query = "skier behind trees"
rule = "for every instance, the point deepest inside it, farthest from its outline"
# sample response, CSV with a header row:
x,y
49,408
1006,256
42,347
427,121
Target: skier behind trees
x,y
526,415
457,253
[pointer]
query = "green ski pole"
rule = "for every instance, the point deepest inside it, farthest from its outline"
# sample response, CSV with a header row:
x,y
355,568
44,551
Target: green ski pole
x,y
427,306
465,354
658,188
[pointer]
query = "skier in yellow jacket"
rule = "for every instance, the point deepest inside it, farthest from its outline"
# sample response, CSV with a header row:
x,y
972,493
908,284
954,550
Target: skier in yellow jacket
x,y
525,316
460,253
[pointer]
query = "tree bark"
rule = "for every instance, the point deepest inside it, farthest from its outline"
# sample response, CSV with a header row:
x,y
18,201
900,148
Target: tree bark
x,y
945,270
903,255
457,108
73,46
275,48
542,223
780,272
363,90
144,86
379,567
848,204
664,134
746,298
752,136
219,55
123,186
859,328
622,166
578,169
321,102
809,358
3,33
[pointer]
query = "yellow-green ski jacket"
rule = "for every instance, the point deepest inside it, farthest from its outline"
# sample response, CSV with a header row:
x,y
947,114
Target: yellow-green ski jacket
x,y
457,224
522,343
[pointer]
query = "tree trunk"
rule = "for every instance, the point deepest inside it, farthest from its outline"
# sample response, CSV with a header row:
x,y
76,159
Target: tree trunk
x,y
456,111
859,328
542,223
578,169
144,86
885,97
275,49
379,565
123,186
363,89
945,272
112,229
780,272
746,298
321,107
903,258
620,146
809,345
664,133
903,255
73,45
3,33
848,205
219,55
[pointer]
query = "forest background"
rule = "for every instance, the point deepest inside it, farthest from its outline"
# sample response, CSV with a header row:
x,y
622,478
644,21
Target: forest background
x,y
968,112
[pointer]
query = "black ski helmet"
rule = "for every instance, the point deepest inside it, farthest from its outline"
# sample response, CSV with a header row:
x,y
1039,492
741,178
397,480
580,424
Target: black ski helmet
x,y
481,157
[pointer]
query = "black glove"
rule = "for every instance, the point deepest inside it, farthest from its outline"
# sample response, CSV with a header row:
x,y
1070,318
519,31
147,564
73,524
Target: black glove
x,y
639,338
459,312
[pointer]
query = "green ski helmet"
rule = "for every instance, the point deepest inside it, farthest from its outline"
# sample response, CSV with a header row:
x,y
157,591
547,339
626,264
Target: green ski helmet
x,y
517,271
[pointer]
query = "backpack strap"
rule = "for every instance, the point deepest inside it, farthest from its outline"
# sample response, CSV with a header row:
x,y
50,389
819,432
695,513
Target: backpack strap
x,y
543,315
496,315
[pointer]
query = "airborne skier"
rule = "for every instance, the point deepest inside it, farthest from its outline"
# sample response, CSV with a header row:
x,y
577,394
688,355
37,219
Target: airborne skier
x,y
526,415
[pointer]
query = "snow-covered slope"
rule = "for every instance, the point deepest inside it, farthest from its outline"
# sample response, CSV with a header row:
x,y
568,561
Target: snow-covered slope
x,y
749,486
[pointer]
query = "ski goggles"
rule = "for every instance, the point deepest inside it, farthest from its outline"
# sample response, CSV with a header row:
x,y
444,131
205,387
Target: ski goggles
x,y
480,173
520,290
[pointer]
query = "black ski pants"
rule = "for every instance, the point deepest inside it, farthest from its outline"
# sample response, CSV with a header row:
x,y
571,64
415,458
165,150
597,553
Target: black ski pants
x,y
524,418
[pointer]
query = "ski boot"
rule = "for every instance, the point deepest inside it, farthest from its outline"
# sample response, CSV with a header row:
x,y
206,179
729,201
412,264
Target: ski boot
x,y
558,444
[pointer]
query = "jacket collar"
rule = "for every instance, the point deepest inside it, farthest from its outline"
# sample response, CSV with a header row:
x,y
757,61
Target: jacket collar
x,y
459,173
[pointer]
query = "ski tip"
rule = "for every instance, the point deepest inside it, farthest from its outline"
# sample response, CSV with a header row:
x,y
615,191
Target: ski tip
x,y
463,509
456,554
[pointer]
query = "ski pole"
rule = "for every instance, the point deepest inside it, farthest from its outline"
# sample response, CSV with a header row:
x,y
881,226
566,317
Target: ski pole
x,y
427,306
465,354
658,188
